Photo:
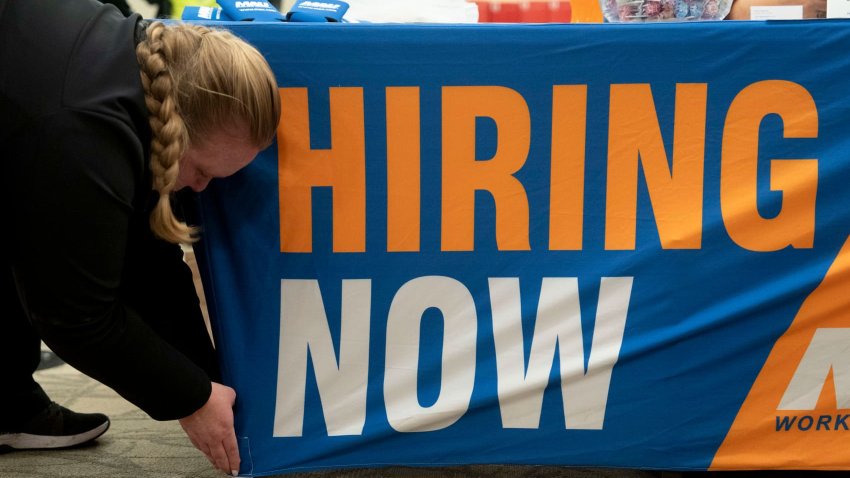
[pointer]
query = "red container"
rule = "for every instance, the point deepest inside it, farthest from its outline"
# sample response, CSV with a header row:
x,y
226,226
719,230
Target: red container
x,y
483,12
524,11
560,12
504,12
534,12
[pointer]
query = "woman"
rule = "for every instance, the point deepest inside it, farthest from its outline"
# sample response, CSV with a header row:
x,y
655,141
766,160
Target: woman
x,y
102,119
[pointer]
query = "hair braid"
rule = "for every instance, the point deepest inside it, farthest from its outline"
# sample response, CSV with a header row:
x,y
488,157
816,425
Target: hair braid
x,y
170,137
198,83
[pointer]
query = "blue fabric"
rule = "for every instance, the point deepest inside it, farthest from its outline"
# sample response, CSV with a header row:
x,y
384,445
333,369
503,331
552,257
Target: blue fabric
x,y
701,321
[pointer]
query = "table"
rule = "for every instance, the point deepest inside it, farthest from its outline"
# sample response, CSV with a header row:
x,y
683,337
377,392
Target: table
x,y
594,245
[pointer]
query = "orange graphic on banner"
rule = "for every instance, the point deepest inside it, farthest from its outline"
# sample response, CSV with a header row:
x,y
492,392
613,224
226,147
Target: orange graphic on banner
x,y
403,169
463,173
796,178
797,414
676,192
566,185
342,167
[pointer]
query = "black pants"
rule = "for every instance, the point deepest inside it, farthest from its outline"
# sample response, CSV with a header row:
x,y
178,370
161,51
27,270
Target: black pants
x,y
21,397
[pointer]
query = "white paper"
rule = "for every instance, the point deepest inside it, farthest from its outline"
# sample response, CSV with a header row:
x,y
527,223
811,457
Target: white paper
x,y
776,12
411,11
837,8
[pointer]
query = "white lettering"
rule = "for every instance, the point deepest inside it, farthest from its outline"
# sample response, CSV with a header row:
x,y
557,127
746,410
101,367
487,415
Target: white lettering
x,y
205,12
829,349
342,383
254,4
320,6
453,299
520,386
303,329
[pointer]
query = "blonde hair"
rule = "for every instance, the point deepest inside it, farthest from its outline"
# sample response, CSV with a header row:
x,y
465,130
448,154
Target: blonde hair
x,y
197,82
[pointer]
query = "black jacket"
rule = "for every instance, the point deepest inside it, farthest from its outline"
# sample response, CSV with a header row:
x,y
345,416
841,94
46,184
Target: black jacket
x,y
105,295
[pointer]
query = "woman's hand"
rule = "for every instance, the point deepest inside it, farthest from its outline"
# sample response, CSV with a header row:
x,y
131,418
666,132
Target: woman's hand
x,y
210,429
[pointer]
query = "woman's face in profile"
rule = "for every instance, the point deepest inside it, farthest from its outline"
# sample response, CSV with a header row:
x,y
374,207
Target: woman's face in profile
x,y
218,156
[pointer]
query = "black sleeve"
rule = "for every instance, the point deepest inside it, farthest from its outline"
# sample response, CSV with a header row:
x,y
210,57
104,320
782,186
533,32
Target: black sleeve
x,y
155,268
74,192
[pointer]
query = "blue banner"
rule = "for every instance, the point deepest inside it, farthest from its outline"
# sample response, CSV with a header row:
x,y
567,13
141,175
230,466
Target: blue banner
x,y
596,245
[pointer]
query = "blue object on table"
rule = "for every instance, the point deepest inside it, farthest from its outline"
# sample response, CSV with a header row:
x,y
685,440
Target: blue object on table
x,y
253,10
317,11
204,13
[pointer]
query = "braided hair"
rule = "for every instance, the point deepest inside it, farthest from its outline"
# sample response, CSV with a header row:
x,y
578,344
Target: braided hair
x,y
198,82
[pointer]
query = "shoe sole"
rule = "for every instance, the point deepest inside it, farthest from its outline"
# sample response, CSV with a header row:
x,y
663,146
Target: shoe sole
x,y
27,441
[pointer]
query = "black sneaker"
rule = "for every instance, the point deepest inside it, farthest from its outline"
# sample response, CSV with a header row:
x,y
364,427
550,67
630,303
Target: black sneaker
x,y
56,427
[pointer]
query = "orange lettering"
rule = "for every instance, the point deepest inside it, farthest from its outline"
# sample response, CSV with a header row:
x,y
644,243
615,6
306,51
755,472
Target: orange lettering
x,y
797,178
342,167
675,192
403,169
566,186
463,174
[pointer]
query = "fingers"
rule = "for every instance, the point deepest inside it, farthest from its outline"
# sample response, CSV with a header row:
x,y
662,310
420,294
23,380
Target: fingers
x,y
210,429
219,458
220,449
232,450
202,447
206,451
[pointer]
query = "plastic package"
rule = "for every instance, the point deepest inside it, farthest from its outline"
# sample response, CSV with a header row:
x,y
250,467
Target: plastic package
x,y
664,10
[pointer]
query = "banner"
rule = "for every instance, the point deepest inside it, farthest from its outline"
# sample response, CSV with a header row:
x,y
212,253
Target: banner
x,y
591,245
